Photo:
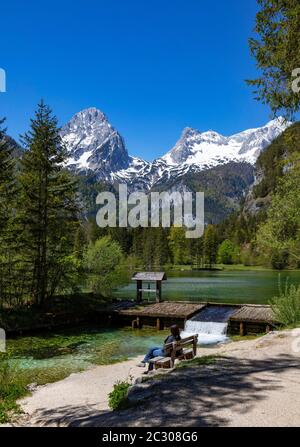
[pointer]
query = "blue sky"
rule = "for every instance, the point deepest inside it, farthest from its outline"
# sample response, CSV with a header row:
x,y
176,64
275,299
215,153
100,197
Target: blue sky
x,y
153,66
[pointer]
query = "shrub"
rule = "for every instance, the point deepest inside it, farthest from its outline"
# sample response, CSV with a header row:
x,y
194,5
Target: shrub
x,y
11,389
280,259
227,252
105,262
118,398
286,306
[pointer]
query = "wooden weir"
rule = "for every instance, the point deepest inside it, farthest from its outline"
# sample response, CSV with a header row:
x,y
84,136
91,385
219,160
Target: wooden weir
x,y
247,319
252,318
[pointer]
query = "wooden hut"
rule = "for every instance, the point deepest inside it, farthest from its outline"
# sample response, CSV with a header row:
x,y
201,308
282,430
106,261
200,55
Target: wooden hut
x,y
149,277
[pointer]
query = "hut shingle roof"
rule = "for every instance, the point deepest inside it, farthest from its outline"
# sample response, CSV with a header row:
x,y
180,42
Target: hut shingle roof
x,y
255,313
149,276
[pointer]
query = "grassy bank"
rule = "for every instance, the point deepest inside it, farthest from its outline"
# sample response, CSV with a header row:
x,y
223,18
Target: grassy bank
x,y
12,387
15,383
227,267
63,310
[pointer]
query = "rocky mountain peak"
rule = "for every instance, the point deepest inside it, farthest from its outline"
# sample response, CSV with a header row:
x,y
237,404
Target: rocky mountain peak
x,y
93,144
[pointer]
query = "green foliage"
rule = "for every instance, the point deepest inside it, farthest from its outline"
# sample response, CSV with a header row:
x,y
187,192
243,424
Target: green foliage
x,y
279,237
199,361
248,256
6,177
227,252
279,259
8,192
277,54
12,387
105,263
47,210
223,188
79,243
286,306
118,397
210,245
197,252
272,162
178,245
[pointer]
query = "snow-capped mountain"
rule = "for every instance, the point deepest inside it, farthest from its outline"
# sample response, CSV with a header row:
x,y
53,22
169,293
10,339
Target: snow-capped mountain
x,y
208,149
95,147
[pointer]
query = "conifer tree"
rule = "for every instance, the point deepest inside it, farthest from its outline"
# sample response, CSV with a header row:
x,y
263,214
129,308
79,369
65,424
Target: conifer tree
x,y
79,243
210,245
179,245
6,176
276,50
47,208
161,249
197,252
8,285
148,244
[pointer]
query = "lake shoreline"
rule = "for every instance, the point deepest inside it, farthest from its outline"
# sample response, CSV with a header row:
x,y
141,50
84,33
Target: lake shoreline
x,y
233,285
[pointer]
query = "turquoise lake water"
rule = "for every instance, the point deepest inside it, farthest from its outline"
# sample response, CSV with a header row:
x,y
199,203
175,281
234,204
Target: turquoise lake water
x,y
76,349
79,348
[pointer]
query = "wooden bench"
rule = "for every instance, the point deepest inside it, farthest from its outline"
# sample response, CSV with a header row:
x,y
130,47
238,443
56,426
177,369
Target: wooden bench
x,y
184,349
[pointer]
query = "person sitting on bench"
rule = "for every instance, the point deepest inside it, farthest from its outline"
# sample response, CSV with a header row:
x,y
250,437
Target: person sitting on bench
x,y
161,351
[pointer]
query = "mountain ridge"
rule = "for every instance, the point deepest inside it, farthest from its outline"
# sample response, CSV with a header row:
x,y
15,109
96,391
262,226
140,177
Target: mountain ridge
x,y
220,166
95,146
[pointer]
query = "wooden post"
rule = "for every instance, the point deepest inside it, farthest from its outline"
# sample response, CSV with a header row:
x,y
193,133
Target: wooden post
x,y
139,286
158,325
139,323
136,324
158,291
195,345
173,354
268,328
242,329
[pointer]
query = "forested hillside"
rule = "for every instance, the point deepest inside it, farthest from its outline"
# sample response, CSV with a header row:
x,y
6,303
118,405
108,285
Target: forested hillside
x,y
268,219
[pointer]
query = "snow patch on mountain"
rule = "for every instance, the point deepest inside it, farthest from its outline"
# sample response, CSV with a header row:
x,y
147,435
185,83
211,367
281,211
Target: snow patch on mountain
x,y
209,149
95,146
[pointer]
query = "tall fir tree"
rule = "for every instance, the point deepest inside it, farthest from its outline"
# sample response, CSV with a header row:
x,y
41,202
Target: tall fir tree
x,y
6,177
8,283
161,248
179,245
210,245
47,208
148,244
197,252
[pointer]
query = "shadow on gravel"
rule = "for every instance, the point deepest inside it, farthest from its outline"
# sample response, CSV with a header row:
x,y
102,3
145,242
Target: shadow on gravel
x,y
190,396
